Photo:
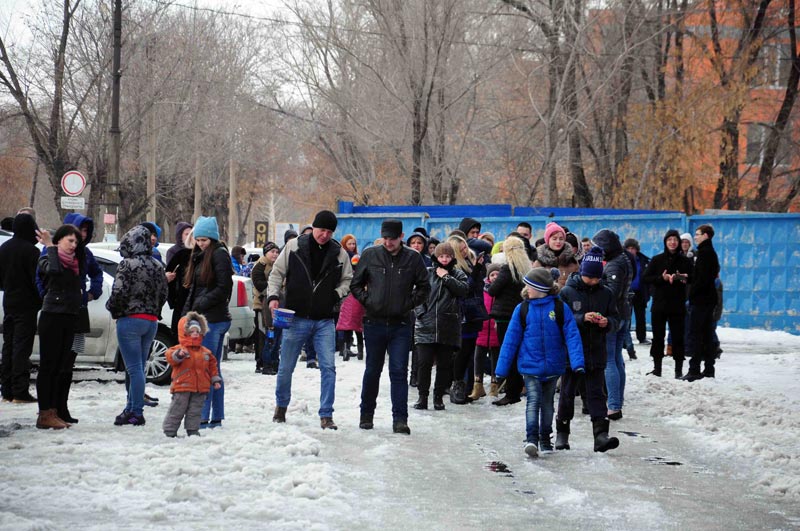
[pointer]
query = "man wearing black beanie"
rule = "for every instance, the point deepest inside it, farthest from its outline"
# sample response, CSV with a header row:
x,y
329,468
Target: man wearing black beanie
x,y
313,272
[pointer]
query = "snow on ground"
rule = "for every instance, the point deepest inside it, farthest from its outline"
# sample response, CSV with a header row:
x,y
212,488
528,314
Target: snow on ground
x,y
713,454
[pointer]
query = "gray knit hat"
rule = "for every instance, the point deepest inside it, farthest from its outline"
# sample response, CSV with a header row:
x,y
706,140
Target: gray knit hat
x,y
540,279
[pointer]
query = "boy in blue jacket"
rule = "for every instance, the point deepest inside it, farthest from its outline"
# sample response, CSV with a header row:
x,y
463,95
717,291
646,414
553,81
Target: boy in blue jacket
x,y
594,308
541,334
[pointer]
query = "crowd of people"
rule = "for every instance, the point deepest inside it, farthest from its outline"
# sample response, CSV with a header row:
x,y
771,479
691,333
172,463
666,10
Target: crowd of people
x,y
530,314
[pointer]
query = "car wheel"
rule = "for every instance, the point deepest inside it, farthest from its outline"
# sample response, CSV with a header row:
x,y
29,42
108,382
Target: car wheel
x,y
158,370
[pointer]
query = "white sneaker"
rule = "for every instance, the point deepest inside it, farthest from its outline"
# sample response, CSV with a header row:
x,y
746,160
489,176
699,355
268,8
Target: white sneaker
x,y
531,450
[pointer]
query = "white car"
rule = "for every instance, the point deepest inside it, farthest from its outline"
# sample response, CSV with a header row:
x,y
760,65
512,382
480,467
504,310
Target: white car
x,y
101,342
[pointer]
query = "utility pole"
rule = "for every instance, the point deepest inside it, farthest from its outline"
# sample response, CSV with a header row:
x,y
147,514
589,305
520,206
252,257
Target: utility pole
x,y
151,137
198,189
112,184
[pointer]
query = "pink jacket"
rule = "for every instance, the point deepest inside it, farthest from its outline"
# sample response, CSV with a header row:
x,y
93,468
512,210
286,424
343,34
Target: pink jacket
x,y
487,337
351,315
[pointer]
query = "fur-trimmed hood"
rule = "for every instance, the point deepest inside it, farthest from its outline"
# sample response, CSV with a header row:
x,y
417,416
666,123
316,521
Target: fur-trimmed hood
x,y
183,333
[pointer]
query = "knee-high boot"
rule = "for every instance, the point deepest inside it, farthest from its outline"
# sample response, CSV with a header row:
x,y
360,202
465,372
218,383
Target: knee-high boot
x,y
602,441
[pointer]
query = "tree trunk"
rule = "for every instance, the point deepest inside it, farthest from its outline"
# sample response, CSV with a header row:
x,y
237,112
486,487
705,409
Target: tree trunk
x,y
727,191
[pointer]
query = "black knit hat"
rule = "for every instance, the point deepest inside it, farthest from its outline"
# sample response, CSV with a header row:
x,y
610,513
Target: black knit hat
x,y
268,247
325,219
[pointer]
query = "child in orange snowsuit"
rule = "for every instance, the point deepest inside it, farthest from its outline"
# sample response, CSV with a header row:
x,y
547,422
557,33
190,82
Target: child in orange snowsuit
x,y
194,370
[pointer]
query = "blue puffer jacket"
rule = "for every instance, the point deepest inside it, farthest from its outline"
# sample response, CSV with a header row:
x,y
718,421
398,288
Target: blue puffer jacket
x,y
539,347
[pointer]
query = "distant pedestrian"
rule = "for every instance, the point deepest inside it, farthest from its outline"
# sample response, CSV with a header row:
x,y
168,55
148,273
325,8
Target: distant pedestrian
x,y
21,303
703,299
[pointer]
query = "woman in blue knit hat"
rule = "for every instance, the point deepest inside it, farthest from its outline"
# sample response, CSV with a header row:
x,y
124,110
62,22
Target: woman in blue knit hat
x,y
209,279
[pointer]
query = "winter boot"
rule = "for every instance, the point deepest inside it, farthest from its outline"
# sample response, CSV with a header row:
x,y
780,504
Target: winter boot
x,y
602,442
365,423
494,389
656,366
631,353
438,403
562,434
326,423
401,426
48,420
280,414
422,401
678,369
669,350
477,390
457,393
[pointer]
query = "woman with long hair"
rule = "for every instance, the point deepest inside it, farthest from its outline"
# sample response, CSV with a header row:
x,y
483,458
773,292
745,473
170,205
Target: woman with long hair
x,y
139,292
351,313
61,272
472,266
506,290
209,279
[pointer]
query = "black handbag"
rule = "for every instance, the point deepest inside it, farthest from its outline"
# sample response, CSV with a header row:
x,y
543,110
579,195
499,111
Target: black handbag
x,y
473,310
82,325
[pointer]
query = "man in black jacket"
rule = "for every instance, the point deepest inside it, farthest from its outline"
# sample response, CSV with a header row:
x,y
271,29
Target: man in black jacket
x,y
21,303
703,299
314,273
389,281
668,274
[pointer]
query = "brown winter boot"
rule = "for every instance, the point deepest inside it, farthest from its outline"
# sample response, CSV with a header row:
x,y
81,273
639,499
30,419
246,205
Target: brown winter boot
x,y
494,389
48,420
477,390
280,414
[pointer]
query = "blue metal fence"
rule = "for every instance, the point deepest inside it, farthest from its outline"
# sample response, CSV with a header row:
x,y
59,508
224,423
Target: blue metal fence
x,y
759,253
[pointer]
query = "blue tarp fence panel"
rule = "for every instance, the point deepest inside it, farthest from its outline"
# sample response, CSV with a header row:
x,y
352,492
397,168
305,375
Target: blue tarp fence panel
x,y
759,253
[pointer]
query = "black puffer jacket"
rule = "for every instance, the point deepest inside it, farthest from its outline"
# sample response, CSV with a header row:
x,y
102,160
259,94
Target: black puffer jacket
x,y
668,298
62,286
140,285
618,272
390,286
702,290
439,318
211,299
18,259
507,294
581,299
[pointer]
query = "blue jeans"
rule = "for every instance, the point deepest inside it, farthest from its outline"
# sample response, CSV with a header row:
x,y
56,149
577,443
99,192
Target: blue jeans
x,y
539,408
322,333
615,367
135,337
214,406
378,339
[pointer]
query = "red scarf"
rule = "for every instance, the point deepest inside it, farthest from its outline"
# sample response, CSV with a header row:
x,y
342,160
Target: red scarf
x,y
68,260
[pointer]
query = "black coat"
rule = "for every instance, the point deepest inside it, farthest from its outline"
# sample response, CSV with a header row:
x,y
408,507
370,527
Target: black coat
x,y
439,318
62,286
668,298
702,290
618,272
507,294
390,286
18,259
211,299
582,298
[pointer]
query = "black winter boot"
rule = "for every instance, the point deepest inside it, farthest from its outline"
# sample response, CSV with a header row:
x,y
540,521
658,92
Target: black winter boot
x,y
458,393
656,366
422,401
602,441
562,434
438,403
678,369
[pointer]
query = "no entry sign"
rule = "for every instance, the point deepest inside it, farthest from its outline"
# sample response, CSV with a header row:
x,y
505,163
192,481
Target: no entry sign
x,y
73,183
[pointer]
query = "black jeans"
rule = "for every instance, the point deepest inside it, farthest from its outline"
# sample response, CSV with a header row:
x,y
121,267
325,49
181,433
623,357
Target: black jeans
x,y
463,359
701,337
56,332
677,321
595,380
639,307
428,352
19,330
480,356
